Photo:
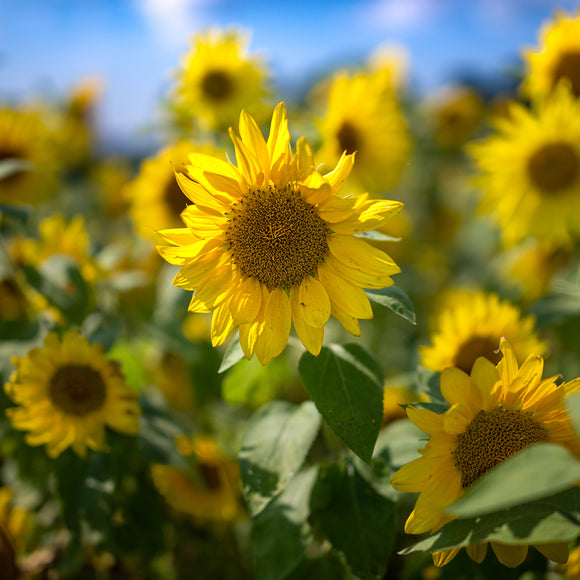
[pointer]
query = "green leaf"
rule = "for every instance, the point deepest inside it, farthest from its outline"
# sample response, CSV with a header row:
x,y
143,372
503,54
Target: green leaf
x,y
360,523
280,532
274,446
395,299
428,384
377,236
540,470
233,354
399,443
9,167
346,384
553,519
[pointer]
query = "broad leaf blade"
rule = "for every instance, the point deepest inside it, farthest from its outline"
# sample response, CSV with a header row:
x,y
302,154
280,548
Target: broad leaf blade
x,y
394,299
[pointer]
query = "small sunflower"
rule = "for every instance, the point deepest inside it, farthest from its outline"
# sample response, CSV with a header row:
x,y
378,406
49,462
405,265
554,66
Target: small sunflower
x,y
364,116
471,325
556,58
156,201
15,525
214,495
495,413
25,138
530,171
218,78
270,242
67,392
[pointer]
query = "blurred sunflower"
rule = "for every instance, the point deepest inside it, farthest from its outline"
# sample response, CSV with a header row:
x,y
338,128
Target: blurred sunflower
x,y
156,201
270,242
14,526
218,78
67,392
215,494
26,139
471,325
556,58
364,116
495,413
530,171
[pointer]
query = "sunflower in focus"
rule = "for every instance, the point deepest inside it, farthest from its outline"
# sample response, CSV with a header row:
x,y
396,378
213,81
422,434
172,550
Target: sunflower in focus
x,y
26,139
495,413
156,201
67,392
471,325
529,171
364,116
218,78
556,58
271,241
213,494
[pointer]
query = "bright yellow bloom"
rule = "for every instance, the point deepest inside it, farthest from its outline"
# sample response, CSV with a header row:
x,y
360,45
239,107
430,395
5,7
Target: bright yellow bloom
x,y
363,116
495,413
155,197
270,242
530,171
67,392
25,138
213,494
218,78
471,325
557,57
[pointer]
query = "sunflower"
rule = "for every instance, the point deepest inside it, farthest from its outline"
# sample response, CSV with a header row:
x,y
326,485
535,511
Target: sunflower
x,y
530,171
364,116
270,242
471,325
26,139
67,392
215,494
156,201
495,413
557,57
218,78
15,525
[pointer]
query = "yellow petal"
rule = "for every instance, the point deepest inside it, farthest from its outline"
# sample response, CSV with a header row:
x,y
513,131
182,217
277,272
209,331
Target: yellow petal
x,y
246,302
508,365
336,209
311,337
369,217
348,298
200,196
349,323
484,377
454,384
303,159
313,302
202,223
276,329
247,162
457,419
477,551
191,276
357,277
510,555
279,137
214,289
254,140
183,255
444,557
360,255
338,175
178,236
222,324
200,164
556,551
415,475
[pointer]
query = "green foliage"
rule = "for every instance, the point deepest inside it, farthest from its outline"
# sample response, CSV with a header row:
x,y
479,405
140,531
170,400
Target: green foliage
x,y
396,300
346,384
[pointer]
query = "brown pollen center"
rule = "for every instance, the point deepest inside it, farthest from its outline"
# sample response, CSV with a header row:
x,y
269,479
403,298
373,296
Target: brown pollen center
x,y
77,390
348,138
568,67
174,197
491,438
475,347
554,167
217,85
276,236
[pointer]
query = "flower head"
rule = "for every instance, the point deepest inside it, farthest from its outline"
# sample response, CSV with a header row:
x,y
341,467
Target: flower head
x,y
495,412
530,171
67,392
270,242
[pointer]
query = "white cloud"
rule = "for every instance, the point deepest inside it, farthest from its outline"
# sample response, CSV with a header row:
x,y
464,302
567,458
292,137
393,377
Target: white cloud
x,y
400,14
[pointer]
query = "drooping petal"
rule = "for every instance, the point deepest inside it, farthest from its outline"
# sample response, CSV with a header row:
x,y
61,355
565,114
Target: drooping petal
x,y
246,301
358,277
556,551
277,323
369,217
361,255
313,302
510,555
349,323
477,551
222,324
444,557
310,336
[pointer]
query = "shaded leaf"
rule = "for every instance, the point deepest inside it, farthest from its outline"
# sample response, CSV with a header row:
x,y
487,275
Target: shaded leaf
x,y
233,354
394,299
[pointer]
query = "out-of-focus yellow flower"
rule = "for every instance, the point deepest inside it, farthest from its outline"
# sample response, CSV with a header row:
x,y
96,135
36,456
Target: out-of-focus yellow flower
x,y
471,324
363,117
15,524
67,392
218,79
25,138
213,493
394,61
571,568
557,58
495,413
173,376
395,395
529,171
110,177
270,242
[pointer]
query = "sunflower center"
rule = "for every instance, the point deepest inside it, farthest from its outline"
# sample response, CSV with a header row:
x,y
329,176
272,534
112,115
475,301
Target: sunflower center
x,y
348,138
211,476
554,167
568,67
475,347
77,390
174,197
276,236
217,85
492,437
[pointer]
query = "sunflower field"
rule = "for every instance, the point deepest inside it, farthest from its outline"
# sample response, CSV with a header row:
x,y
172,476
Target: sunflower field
x,y
333,336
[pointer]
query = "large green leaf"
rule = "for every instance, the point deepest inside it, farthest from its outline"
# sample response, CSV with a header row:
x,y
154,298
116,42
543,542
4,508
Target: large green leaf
x,y
281,532
274,446
538,471
360,523
394,299
346,384
553,519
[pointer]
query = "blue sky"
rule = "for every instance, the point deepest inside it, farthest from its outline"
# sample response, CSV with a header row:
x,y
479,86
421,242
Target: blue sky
x,y
47,46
